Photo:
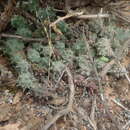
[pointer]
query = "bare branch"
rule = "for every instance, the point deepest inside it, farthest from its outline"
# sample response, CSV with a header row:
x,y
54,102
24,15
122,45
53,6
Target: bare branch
x,y
26,39
69,107
66,17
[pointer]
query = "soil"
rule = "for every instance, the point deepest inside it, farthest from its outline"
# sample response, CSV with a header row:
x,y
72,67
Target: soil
x,y
94,107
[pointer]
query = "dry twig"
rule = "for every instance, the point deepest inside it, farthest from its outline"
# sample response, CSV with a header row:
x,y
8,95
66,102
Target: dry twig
x,y
7,14
92,115
26,39
66,17
69,107
100,86
79,15
85,117
107,68
124,71
126,125
28,16
58,81
93,16
120,105
92,62
112,118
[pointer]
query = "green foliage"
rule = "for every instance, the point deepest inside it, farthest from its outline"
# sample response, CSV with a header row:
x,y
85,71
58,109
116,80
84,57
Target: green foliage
x,y
110,43
45,13
25,77
94,26
58,66
122,34
68,55
84,65
37,33
37,46
26,80
63,27
26,32
22,65
18,22
100,62
44,62
104,59
103,47
33,55
105,42
38,53
79,47
60,45
21,25
13,46
30,5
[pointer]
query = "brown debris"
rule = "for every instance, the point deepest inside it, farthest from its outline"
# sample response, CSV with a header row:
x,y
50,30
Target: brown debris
x,y
7,14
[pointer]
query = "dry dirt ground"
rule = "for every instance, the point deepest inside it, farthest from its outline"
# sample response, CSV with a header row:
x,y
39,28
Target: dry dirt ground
x,y
21,111
93,108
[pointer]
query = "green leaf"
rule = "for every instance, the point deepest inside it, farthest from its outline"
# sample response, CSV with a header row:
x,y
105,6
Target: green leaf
x,y
68,55
32,5
79,47
60,45
33,55
24,32
44,62
63,26
45,13
13,46
84,64
26,80
18,22
57,66
103,58
122,34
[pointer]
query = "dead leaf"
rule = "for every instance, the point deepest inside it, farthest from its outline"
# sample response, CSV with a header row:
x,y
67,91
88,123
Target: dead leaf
x,y
12,127
58,101
83,127
5,112
17,97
